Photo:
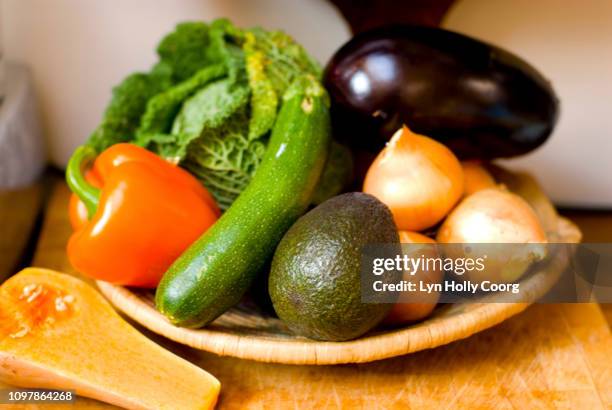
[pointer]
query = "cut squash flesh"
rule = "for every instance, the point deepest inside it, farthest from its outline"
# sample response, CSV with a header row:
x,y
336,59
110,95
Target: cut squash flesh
x,y
58,332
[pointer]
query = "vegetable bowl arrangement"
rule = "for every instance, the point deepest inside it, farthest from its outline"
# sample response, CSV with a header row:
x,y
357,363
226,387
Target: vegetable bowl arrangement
x,y
226,196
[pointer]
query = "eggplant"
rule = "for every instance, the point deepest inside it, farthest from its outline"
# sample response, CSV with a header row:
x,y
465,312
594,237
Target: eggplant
x,y
479,100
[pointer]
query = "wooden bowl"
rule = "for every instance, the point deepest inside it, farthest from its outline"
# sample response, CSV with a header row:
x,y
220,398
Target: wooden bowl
x,y
248,334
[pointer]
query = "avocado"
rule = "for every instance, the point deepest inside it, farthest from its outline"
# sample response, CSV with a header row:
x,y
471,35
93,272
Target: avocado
x,y
315,283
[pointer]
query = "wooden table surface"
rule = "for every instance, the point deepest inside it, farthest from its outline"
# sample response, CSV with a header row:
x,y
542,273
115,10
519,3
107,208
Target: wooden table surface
x,y
550,356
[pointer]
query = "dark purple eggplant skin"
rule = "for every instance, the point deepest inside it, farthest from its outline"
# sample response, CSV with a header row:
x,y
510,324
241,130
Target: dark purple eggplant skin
x,y
479,100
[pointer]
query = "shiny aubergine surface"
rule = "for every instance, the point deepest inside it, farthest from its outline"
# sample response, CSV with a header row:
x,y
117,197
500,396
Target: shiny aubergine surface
x,y
481,101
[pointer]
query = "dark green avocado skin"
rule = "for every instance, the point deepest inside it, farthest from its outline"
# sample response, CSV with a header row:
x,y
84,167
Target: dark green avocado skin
x,y
315,282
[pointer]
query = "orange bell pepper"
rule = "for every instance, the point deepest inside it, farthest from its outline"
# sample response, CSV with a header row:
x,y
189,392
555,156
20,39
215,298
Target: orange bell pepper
x,y
133,214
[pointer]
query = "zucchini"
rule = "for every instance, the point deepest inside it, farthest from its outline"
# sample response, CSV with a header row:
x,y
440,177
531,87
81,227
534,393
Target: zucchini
x,y
215,271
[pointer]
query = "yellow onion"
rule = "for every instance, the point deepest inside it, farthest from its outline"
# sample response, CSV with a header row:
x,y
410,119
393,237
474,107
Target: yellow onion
x,y
423,303
495,216
419,179
475,178
528,188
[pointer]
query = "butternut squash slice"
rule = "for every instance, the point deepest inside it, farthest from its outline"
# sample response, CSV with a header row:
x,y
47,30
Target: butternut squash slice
x,y
58,332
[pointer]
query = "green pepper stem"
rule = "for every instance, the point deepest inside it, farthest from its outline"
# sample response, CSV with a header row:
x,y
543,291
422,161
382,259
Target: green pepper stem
x,y
89,194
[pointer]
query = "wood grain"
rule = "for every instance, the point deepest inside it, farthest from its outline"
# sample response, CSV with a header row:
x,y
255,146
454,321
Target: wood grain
x,y
51,250
596,226
550,356
18,212
546,357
